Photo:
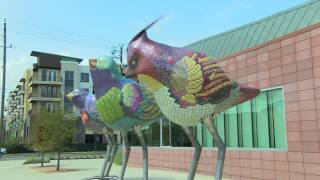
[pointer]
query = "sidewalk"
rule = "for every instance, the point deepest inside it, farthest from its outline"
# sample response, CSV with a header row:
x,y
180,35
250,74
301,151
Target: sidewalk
x,y
79,169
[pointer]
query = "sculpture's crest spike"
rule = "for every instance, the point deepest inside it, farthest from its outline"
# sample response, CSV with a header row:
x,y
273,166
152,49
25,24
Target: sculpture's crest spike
x,y
144,30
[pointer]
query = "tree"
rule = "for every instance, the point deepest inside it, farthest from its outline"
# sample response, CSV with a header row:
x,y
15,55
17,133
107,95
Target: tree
x,y
40,135
54,130
62,129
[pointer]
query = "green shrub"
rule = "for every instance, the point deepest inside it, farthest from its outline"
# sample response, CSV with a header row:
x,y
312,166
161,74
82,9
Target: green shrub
x,y
17,148
118,158
36,160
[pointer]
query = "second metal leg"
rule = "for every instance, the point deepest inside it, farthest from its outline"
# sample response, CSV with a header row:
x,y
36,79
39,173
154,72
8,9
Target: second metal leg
x,y
145,151
220,144
126,148
107,158
196,153
113,154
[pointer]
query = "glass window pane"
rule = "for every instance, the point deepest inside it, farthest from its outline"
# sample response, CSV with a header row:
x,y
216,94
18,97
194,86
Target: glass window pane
x,y
179,137
254,123
153,135
207,137
165,132
44,75
246,125
220,126
270,119
239,125
199,133
279,119
262,120
233,126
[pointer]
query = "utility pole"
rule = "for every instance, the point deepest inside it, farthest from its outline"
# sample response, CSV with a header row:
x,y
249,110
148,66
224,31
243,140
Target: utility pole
x,y
2,127
2,134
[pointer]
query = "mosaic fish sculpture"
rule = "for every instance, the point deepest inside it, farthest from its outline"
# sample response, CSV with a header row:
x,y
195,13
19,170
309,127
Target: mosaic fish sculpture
x,y
123,104
188,86
85,102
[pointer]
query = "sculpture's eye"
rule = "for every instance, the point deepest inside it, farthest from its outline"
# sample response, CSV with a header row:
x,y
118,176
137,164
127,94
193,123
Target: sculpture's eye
x,y
134,62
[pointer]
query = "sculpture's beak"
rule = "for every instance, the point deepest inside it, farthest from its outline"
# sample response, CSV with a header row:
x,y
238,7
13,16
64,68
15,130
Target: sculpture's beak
x,y
92,63
129,73
70,95
248,92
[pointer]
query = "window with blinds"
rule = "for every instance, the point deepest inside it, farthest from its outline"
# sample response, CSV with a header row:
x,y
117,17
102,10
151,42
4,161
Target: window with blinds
x,y
259,123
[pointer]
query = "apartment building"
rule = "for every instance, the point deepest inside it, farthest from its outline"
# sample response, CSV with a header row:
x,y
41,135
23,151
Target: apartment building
x,y
45,86
15,124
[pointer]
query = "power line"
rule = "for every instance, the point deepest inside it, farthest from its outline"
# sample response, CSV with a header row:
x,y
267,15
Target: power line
x,y
34,30
57,35
61,31
57,39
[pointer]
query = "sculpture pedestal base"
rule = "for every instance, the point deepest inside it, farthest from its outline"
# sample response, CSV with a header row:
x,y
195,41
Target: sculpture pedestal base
x,y
104,178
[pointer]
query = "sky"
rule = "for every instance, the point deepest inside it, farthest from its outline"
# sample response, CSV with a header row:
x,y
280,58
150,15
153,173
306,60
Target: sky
x,y
88,29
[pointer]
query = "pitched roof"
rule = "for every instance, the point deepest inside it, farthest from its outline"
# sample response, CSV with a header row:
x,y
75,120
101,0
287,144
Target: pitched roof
x,y
258,32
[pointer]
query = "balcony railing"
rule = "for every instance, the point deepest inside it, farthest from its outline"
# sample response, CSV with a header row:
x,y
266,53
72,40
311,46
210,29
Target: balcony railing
x,y
45,97
45,79
57,95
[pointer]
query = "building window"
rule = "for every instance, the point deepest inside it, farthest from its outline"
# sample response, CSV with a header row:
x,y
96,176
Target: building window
x,y
43,91
49,91
48,75
43,75
52,92
84,77
259,123
68,107
52,75
162,133
49,106
68,87
69,75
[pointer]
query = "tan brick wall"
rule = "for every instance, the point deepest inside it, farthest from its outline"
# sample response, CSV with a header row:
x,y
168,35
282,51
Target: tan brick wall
x,y
292,62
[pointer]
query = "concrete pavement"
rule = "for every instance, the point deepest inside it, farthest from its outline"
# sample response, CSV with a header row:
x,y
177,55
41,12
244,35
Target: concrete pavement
x,y
79,169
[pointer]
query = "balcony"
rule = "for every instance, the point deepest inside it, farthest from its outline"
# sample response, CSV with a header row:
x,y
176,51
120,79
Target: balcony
x,y
36,80
42,97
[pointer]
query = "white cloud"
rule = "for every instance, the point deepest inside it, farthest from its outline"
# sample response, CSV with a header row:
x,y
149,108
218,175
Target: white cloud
x,y
65,53
15,70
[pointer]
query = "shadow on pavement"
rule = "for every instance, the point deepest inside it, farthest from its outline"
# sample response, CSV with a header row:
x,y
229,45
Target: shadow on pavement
x,y
52,169
150,178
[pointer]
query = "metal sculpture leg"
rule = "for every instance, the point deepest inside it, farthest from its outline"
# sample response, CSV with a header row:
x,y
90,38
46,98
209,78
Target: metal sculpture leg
x,y
107,158
126,148
113,154
196,153
144,147
220,144
111,151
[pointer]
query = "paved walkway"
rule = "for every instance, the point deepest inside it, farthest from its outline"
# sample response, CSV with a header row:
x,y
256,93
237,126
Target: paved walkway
x,y
79,169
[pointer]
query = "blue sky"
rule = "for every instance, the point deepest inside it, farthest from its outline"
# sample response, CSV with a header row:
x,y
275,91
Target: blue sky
x,y
89,29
